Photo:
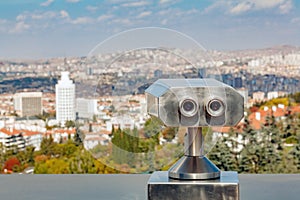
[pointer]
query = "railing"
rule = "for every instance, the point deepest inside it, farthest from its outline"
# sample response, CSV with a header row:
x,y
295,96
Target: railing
x,y
132,187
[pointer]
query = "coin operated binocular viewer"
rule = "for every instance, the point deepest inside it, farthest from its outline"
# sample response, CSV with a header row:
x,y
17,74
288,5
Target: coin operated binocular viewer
x,y
194,103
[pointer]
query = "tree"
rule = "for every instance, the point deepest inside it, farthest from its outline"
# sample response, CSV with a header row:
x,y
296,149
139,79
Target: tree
x,y
12,164
262,150
52,166
295,155
250,155
169,133
296,97
26,157
78,137
130,148
69,124
2,155
47,146
82,162
221,155
152,127
68,149
271,146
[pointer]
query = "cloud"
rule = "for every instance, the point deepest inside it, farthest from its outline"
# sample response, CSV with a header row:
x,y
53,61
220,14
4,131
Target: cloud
x,y
237,7
295,20
286,7
174,12
116,1
104,17
91,8
45,15
168,2
64,14
216,5
47,3
82,20
122,21
72,1
21,17
3,21
241,8
136,4
20,27
175,16
27,16
41,20
266,4
191,11
164,1
144,14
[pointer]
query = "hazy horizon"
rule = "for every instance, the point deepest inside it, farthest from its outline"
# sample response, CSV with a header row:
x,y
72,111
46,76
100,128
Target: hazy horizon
x,y
50,28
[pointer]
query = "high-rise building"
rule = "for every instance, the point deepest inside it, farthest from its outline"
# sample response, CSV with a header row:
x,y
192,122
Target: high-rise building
x,y
237,82
28,103
65,99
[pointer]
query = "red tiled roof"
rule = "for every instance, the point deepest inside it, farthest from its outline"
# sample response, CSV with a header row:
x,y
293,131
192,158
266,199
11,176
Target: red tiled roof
x,y
279,112
295,110
226,129
105,132
16,132
10,132
255,123
62,131
30,133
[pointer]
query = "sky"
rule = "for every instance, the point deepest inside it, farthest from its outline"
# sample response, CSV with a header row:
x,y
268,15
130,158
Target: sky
x,y
57,28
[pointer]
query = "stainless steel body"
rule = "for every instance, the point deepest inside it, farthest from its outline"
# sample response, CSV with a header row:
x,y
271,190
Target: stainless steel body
x,y
161,187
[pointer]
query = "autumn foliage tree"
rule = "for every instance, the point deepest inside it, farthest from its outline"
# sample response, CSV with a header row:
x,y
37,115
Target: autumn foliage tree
x,y
12,164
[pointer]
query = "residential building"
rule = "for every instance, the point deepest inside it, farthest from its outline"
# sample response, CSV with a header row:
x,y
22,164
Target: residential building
x,y
122,122
32,138
61,135
258,96
12,139
258,118
18,140
92,140
272,95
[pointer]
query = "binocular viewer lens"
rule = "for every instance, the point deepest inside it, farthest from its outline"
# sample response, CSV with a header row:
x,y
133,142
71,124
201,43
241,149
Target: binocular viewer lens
x,y
215,107
188,107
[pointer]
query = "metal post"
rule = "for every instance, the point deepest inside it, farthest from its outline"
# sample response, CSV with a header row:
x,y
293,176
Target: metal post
x,y
193,144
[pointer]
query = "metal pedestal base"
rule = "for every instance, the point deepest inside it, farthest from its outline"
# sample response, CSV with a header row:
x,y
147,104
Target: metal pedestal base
x,y
194,167
161,187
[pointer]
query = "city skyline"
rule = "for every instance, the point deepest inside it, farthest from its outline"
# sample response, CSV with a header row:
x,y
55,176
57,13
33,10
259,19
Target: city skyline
x,y
52,28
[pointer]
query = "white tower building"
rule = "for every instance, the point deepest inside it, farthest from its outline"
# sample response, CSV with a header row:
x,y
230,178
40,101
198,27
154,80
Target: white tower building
x,y
65,99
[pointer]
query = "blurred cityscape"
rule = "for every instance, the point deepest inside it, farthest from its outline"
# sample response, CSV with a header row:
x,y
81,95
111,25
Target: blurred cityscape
x,y
92,101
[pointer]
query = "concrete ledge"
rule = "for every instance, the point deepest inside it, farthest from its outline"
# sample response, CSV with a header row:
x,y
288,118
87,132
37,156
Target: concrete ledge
x,y
131,187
